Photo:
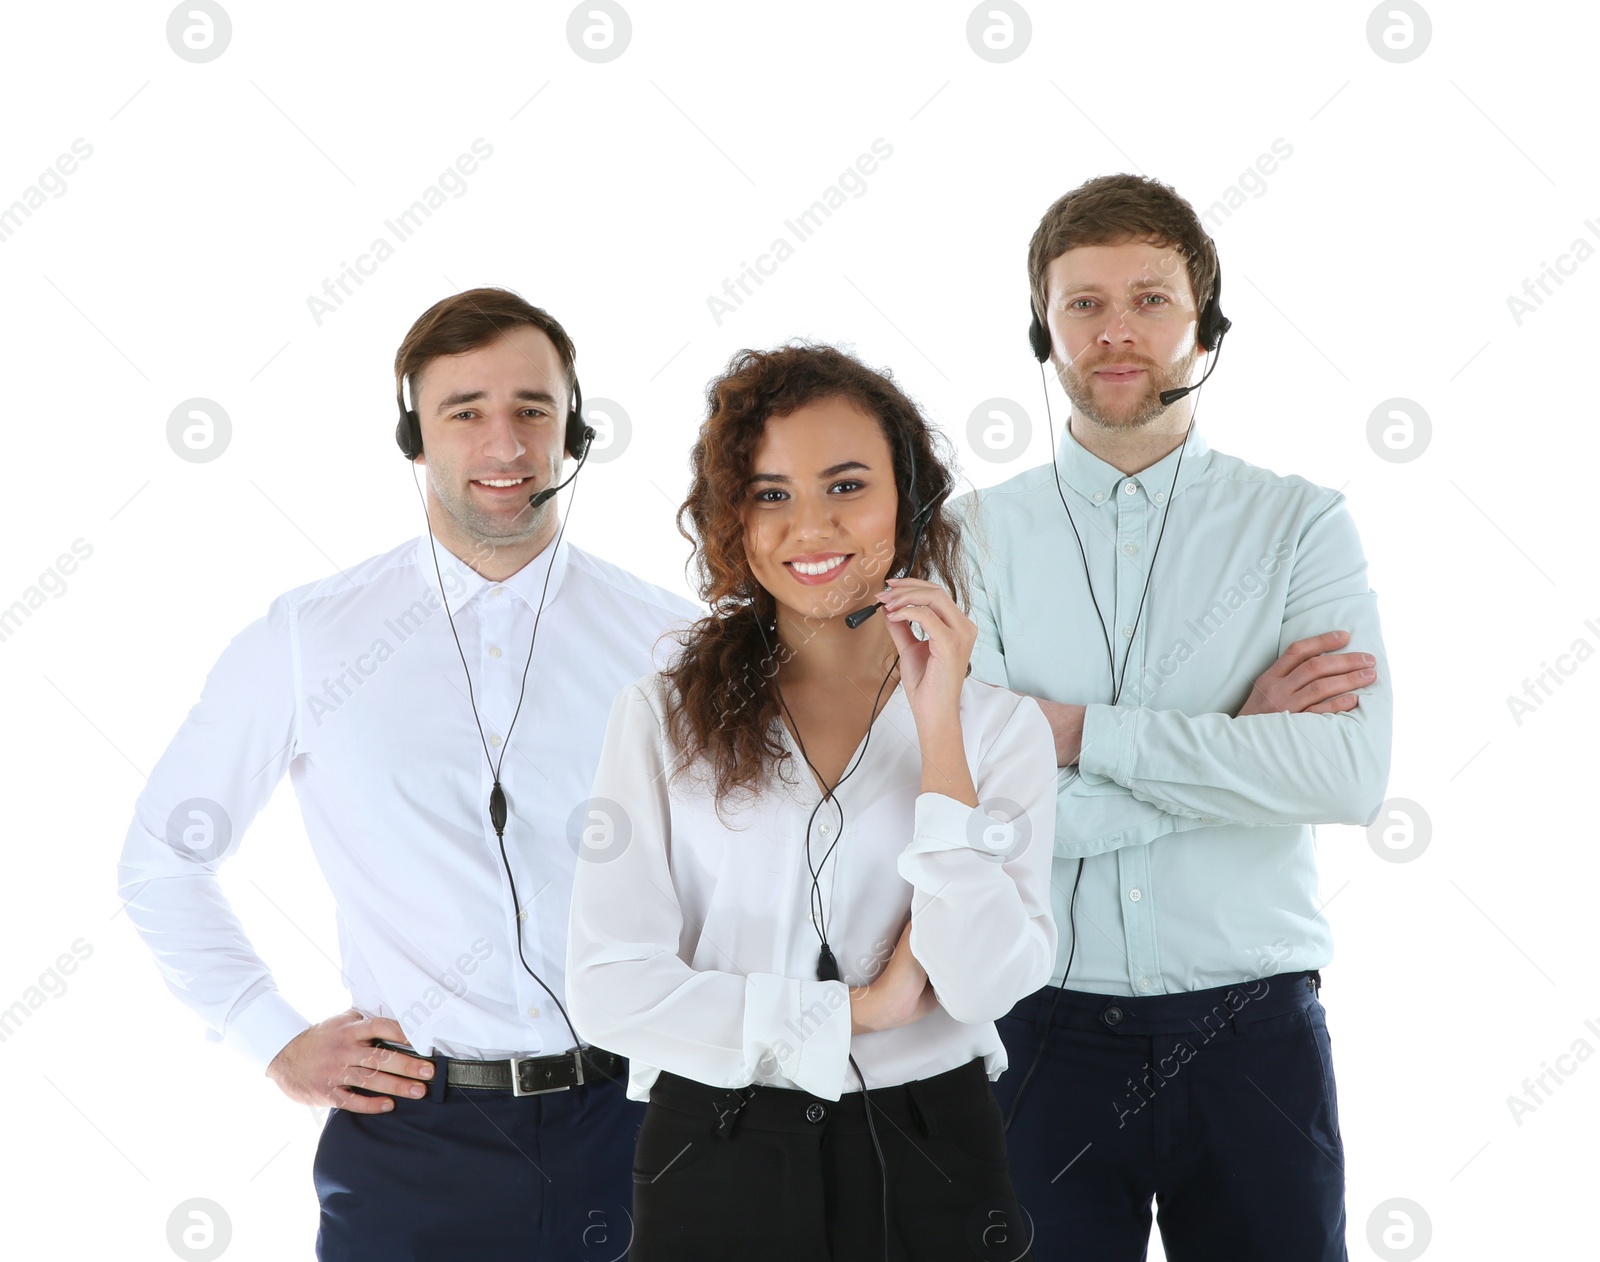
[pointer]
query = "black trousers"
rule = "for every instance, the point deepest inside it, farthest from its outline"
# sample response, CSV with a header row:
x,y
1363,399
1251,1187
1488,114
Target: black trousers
x,y
784,1176
465,1173
1217,1104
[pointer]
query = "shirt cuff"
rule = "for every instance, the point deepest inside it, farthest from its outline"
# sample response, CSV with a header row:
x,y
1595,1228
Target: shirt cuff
x,y
942,823
804,1028
1110,734
264,1027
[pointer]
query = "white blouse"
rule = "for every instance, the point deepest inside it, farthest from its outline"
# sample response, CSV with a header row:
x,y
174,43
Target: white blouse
x,y
691,946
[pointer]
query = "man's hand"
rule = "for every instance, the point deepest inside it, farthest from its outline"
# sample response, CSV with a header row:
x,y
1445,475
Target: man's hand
x,y
1310,678
898,996
1066,725
319,1066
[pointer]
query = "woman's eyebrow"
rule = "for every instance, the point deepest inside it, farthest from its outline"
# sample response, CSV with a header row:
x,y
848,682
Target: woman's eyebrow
x,y
831,471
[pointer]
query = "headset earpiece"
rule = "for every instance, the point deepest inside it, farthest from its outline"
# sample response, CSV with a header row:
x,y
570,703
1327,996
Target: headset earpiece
x,y
408,432
1038,335
1213,324
579,433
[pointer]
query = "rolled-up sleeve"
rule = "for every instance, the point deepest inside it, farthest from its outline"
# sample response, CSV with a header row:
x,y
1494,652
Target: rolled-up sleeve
x,y
981,923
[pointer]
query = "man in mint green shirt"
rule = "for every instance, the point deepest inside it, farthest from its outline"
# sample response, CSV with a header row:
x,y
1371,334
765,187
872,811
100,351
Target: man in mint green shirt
x,y
1201,635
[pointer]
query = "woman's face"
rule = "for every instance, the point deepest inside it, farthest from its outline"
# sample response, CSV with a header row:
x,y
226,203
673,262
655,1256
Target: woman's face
x,y
820,508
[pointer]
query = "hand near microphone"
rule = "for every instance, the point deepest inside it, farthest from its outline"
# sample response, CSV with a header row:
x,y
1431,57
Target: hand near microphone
x,y
932,672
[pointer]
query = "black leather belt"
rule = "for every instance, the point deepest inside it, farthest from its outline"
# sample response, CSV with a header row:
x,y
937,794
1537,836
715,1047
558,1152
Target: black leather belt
x,y
536,1075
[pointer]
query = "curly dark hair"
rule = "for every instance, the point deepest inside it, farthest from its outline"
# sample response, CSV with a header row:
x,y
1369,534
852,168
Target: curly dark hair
x,y
723,708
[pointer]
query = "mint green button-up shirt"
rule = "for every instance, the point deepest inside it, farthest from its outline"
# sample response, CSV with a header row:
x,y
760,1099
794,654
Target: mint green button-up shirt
x,y
1197,829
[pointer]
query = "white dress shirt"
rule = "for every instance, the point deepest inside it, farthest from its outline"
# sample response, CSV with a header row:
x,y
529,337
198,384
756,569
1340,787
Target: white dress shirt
x,y
692,947
354,685
1195,828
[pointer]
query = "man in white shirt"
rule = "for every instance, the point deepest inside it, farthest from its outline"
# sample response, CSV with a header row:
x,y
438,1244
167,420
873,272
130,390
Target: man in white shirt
x,y
391,693
1201,635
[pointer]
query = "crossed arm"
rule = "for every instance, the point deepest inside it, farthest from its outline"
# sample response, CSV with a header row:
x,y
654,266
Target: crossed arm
x,y
1309,744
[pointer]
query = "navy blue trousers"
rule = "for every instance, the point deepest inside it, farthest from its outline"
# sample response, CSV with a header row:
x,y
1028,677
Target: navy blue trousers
x,y
1218,1105
471,1173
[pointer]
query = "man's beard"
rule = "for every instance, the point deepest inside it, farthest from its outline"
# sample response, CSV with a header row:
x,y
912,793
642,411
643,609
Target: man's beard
x,y
1079,388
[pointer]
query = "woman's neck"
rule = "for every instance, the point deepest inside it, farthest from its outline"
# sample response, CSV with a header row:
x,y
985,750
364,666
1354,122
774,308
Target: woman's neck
x,y
826,652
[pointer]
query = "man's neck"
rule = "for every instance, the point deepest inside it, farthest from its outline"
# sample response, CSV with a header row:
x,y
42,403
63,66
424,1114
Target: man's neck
x,y
493,560
1129,451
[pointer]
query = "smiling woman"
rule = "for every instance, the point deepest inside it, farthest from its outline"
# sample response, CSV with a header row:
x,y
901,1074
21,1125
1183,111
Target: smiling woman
x,y
789,893
725,711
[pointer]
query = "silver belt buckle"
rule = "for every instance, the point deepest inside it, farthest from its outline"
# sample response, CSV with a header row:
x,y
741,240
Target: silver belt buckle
x,y
517,1062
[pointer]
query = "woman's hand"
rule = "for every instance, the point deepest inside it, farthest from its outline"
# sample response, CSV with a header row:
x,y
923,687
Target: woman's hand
x,y
931,670
899,996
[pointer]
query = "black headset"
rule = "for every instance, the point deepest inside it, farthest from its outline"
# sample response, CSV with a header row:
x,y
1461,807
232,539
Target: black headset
x,y
1213,324
408,432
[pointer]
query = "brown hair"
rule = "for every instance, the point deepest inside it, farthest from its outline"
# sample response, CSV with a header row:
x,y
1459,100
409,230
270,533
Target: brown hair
x,y
723,709
473,318
1113,208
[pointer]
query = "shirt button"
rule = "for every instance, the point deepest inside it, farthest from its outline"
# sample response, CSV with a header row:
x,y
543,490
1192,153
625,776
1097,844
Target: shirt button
x,y
494,650
815,1113
494,592
1129,548
1144,983
1161,497
1127,632
1130,488
1099,497
826,830
523,915
533,1012
1134,896
495,739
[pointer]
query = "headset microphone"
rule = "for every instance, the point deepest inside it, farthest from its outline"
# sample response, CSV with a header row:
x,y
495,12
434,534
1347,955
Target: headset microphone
x,y
1169,397
540,497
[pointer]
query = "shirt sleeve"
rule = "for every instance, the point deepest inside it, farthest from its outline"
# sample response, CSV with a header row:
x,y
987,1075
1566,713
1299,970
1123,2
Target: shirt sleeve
x,y
218,772
1267,768
981,922
629,989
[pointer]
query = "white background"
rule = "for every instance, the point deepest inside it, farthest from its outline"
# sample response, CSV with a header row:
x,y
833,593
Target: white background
x,y
1375,262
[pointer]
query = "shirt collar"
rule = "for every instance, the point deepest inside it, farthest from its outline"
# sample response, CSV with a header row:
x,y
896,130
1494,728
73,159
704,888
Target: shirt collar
x,y
1098,481
462,583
